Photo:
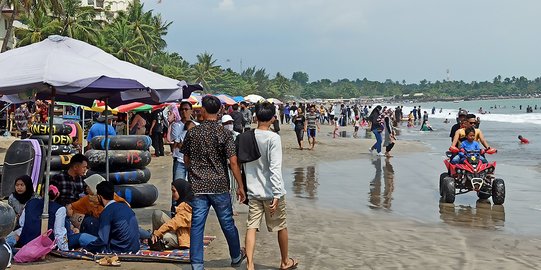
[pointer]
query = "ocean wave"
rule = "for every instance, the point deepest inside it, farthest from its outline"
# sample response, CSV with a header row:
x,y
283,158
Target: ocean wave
x,y
451,114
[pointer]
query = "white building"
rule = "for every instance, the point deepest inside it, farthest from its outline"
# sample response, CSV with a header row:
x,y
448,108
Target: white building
x,y
110,5
5,15
107,8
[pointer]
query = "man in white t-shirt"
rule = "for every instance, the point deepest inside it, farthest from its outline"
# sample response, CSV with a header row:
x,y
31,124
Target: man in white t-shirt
x,y
266,192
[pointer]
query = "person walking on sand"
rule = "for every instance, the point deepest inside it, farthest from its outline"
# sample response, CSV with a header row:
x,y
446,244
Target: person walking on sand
x,y
300,128
310,126
376,128
206,149
389,133
266,192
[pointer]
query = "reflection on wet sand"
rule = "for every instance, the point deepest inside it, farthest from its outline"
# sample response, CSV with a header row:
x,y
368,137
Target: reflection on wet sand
x,y
484,215
305,182
376,199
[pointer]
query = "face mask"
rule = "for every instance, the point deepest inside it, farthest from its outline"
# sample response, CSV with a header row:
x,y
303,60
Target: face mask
x,y
229,127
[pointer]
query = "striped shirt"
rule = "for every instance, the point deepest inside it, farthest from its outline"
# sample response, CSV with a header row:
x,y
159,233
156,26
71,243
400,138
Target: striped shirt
x,y
311,119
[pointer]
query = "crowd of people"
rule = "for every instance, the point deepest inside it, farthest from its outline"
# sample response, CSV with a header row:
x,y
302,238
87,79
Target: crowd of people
x,y
84,212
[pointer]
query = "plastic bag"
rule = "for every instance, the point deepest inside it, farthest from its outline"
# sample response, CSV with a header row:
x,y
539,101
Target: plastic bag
x,y
35,249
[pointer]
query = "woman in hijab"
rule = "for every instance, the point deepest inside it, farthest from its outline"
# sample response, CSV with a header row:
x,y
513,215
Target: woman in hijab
x,y
389,132
376,128
24,191
175,231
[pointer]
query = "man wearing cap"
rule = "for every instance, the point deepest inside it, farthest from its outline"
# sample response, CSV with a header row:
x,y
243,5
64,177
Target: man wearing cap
x,y
227,122
118,224
98,128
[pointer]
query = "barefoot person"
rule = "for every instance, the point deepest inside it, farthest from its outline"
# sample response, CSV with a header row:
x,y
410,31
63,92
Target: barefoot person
x,y
310,126
300,128
266,190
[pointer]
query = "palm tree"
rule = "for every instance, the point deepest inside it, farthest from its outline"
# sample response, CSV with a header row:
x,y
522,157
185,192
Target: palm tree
x,y
280,86
26,6
39,27
148,27
79,22
205,70
120,41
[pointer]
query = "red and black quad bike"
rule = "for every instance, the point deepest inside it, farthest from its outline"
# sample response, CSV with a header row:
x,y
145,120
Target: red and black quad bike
x,y
471,175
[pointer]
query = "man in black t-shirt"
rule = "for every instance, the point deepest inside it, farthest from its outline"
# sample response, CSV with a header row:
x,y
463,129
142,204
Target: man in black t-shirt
x,y
461,115
156,132
293,107
238,119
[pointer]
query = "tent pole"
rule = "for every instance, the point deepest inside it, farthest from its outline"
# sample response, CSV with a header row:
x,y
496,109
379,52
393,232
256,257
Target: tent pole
x,y
127,123
106,141
83,127
45,188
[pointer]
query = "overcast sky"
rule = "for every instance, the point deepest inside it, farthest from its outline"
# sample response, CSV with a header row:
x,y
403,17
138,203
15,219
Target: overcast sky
x,y
379,39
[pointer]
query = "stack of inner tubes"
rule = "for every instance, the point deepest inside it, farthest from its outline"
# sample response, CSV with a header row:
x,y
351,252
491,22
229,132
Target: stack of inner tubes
x,y
62,149
128,158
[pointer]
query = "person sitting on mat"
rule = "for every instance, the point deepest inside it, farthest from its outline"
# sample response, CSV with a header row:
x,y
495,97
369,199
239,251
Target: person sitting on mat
x,y
175,232
30,221
24,191
118,224
84,213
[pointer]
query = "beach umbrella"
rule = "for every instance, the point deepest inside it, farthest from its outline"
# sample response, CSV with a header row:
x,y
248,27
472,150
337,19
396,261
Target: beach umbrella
x,y
130,107
66,69
275,101
99,106
238,99
226,100
253,98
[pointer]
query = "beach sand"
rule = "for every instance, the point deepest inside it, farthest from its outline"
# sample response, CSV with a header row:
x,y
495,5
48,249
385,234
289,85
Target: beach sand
x,y
326,236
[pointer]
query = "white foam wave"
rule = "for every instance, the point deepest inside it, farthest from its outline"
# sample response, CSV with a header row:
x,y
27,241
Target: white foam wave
x,y
451,114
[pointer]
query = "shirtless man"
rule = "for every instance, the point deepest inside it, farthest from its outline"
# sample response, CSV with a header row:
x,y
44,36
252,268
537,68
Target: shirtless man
x,y
469,121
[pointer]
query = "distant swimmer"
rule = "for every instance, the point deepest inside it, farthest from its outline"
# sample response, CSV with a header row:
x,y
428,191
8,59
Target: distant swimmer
x,y
523,140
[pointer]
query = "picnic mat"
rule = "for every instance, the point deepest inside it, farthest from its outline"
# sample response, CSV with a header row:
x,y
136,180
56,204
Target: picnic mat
x,y
143,255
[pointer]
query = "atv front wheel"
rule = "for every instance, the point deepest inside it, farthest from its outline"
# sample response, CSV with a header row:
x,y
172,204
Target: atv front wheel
x,y
498,191
442,176
448,189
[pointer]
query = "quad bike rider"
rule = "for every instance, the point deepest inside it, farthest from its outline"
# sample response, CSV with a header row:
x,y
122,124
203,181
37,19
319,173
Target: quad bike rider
x,y
468,170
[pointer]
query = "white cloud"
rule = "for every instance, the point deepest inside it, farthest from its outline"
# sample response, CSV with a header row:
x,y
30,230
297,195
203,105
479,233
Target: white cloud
x,y
226,5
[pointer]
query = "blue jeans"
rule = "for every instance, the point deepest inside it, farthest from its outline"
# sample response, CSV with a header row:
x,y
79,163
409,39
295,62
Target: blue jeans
x,y
224,211
377,145
179,170
80,240
90,225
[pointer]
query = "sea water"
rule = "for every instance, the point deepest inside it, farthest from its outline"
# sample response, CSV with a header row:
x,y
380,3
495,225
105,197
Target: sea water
x,y
407,185
501,126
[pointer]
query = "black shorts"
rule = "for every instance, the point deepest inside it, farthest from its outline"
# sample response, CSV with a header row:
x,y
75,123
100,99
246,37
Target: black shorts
x,y
300,134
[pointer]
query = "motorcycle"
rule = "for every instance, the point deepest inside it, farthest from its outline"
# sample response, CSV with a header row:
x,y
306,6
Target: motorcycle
x,y
471,175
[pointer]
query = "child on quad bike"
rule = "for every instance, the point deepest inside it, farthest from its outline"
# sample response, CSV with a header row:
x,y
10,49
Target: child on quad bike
x,y
469,145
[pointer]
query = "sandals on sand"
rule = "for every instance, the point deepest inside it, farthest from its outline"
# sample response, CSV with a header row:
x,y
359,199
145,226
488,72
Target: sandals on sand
x,y
109,261
294,264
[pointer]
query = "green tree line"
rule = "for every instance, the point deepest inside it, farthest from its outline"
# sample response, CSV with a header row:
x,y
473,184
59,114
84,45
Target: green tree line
x,y
137,36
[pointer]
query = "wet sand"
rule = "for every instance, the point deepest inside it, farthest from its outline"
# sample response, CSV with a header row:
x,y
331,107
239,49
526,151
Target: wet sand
x,y
345,213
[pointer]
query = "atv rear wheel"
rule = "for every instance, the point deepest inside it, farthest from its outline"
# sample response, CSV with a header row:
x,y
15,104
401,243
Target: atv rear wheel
x,y
448,189
498,191
443,175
